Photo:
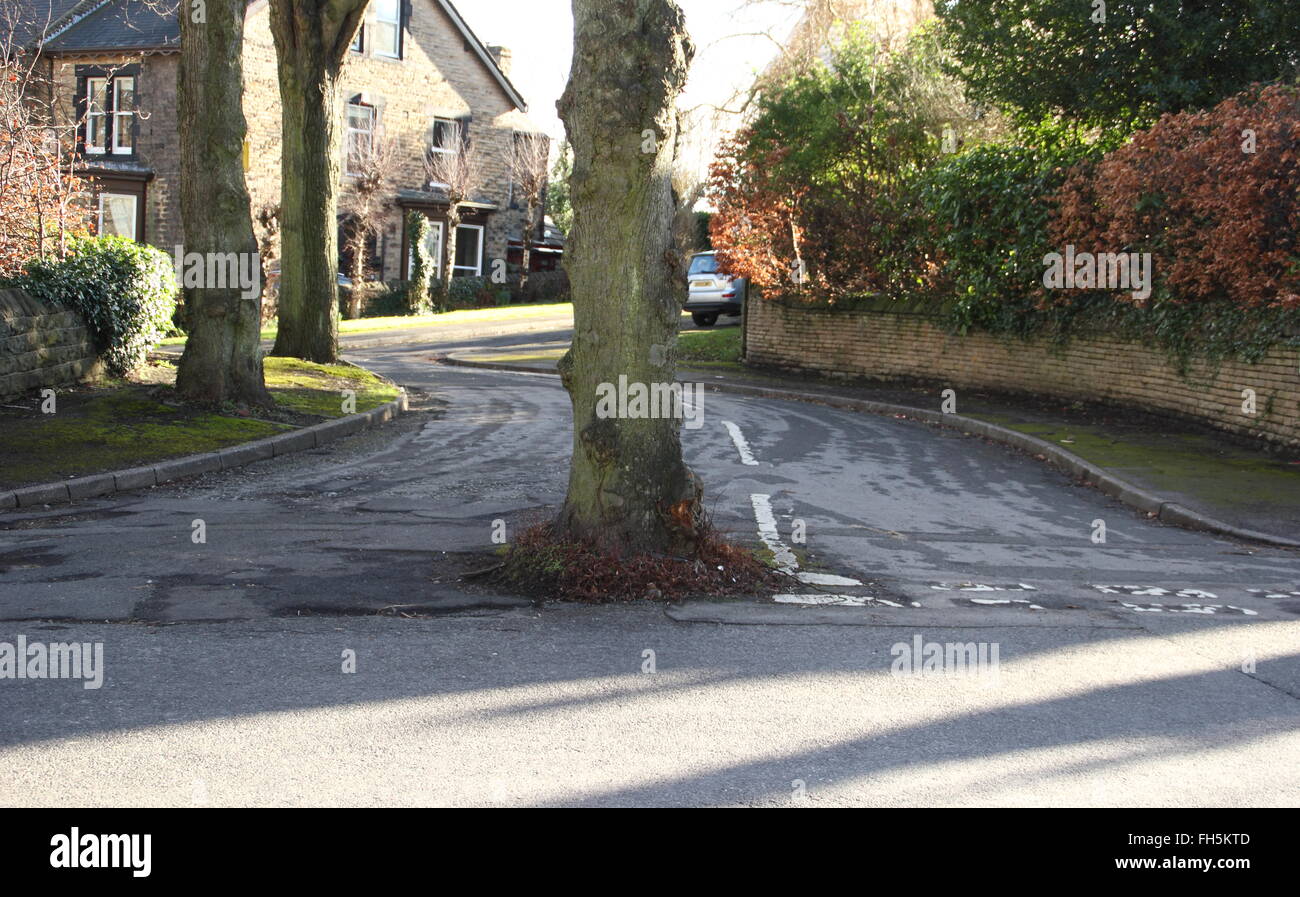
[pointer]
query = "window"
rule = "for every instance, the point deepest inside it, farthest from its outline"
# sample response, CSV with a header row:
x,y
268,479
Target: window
x,y
433,245
387,37
360,136
117,214
110,108
123,106
445,136
96,115
359,42
703,264
469,251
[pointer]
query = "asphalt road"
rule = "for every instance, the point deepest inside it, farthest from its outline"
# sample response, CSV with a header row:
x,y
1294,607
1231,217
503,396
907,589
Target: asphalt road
x,y
1157,668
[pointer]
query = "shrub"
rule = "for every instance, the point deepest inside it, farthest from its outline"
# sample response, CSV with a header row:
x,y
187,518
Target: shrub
x,y
980,231
1220,223
125,291
543,286
475,292
814,191
417,292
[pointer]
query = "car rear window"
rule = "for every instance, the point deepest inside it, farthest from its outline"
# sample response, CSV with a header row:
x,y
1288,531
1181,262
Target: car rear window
x,y
704,264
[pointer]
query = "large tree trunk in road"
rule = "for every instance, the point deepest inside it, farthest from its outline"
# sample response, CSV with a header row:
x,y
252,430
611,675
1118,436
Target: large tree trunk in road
x,y
311,41
628,486
222,359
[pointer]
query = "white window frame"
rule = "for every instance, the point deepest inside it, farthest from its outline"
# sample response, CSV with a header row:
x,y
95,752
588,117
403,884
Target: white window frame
x,y
434,227
135,212
478,256
456,136
349,131
376,49
102,115
122,119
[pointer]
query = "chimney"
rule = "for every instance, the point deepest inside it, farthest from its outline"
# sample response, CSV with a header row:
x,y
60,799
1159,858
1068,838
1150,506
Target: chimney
x,y
502,56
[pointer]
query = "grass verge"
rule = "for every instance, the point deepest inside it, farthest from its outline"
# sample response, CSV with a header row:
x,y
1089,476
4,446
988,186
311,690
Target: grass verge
x,y
142,421
445,319
709,347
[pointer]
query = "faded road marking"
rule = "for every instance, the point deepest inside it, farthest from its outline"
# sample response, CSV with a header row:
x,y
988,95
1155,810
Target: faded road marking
x,y
746,457
786,562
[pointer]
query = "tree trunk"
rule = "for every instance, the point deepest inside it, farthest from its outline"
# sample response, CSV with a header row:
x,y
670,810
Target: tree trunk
x,y
311,41
529,229
628,486
449,250
222,359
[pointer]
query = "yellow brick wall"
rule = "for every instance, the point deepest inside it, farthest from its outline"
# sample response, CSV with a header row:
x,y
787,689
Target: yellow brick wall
x,y
890,345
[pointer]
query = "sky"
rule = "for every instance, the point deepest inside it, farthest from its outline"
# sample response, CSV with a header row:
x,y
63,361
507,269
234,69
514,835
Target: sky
x,y
728,36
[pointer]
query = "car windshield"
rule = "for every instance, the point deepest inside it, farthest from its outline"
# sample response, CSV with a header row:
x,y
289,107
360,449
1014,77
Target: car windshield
x,y
704,264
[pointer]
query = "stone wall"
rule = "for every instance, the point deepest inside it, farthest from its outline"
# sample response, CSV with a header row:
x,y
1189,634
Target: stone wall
x,y
41,346
913,346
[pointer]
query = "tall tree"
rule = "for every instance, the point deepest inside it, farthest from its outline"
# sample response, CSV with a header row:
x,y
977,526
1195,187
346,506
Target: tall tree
x,y
460,175
311,41
222,359
629,488
528,172
1118,64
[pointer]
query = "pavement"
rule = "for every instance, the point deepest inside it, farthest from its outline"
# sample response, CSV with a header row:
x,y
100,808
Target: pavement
x,y
1156,667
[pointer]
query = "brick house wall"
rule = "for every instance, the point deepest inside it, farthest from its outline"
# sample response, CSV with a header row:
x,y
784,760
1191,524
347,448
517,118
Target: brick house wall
x,y
157,148
890,345
439,74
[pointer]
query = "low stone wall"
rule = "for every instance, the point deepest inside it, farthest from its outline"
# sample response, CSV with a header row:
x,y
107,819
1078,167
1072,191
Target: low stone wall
x,y
41,346
912,345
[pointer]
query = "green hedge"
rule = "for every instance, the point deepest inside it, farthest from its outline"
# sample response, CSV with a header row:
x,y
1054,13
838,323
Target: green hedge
x,y
125,291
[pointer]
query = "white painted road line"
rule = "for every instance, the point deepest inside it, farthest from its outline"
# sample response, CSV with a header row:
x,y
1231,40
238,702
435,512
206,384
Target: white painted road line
x,y
746,457
820,599
786,562
828,579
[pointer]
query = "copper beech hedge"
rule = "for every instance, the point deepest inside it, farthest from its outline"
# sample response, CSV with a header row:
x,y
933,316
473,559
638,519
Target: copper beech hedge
x,y
1214,196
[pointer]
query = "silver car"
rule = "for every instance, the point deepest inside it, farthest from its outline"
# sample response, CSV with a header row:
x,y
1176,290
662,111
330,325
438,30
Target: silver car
x,y
711,292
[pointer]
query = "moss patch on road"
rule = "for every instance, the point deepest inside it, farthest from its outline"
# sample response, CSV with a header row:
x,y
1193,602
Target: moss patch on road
x,y
142,421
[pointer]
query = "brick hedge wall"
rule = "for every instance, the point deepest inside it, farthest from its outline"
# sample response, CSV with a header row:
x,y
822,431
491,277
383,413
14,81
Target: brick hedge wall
x,y
893,345
40,346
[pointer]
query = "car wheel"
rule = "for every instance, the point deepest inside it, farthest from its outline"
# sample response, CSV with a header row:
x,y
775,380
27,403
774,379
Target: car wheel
x,y
703,319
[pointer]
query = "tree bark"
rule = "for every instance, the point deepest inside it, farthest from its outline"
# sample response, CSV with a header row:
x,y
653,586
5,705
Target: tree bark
x,y
530,228
629,488
449,249
311,42
222,359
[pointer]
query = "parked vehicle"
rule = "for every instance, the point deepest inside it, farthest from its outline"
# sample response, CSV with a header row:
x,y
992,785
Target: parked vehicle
x,y
711,292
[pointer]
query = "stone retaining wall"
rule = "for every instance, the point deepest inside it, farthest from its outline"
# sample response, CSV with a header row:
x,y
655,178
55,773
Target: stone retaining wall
x,y
41,346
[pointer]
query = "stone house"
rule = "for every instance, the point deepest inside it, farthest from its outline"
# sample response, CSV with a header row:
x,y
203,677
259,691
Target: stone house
x,y
416,76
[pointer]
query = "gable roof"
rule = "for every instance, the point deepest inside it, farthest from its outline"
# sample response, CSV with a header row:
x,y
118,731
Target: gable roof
x,y
72,26
484,56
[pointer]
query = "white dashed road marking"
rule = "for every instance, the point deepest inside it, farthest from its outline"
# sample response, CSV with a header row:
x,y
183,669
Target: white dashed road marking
x,y
746,457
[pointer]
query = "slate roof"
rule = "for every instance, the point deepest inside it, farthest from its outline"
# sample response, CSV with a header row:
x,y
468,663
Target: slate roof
x,y
29,20
110,25
123,25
